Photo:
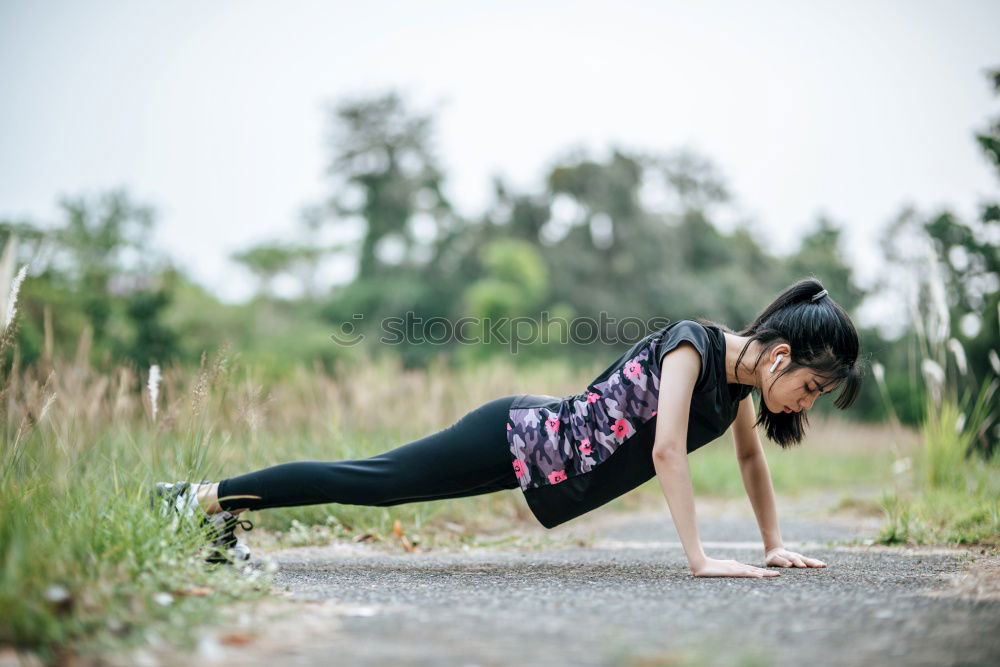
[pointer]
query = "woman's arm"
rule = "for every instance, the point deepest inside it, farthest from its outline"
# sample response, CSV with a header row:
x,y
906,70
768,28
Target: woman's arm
x,y
679,374
757,482
756,476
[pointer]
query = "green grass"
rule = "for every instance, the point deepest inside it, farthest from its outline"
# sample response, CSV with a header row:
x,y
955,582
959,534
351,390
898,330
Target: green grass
x,y
965,511
85,564
952,494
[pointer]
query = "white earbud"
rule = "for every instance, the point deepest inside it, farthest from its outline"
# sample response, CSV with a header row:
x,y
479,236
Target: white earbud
x,y
776,362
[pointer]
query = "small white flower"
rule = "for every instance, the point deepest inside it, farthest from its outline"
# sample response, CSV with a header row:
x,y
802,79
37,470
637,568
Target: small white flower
x,y
15,287
154,387
939,316
959,352
932,371
934,377
163,599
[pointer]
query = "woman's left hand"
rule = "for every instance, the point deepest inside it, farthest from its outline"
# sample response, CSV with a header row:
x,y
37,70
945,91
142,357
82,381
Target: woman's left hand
x,y
782,557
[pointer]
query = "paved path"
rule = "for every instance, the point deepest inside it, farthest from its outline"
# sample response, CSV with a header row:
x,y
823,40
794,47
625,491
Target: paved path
x,y
627,598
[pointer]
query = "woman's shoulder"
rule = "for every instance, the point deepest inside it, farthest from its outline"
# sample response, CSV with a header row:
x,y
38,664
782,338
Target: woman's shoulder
x,y
694,331
701,336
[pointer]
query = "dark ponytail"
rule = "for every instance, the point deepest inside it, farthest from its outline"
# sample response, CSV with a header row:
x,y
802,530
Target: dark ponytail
x,y
823,339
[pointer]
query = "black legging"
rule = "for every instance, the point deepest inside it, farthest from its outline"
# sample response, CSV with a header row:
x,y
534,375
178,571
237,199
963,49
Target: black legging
x,y
468,458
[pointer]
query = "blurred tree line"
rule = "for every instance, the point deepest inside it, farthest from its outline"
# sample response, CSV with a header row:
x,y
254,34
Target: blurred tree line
x,y
629,234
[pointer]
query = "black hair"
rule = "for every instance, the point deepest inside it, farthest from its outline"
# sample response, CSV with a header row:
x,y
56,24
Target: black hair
x,y
822,337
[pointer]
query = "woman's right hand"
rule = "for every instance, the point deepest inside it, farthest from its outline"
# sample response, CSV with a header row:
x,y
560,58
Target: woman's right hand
x,y
730,568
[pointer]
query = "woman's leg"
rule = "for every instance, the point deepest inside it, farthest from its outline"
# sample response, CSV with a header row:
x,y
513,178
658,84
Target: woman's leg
x,y
467,458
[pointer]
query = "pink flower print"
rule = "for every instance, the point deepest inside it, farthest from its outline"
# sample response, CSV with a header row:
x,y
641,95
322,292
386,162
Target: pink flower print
x,y
552,425
592,397
585,446
633,370
519,469
508,425
557,476
621,428
654,414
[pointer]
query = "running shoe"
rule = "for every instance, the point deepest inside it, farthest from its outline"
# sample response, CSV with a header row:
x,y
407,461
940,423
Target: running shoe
x,y
179,500
227,548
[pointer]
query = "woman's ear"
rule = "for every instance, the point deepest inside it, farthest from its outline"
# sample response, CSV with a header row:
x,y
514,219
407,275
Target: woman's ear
x,y
782,350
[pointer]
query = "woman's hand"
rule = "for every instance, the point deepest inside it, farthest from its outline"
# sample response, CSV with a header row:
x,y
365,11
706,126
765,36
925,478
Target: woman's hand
x,y
782,557
730,568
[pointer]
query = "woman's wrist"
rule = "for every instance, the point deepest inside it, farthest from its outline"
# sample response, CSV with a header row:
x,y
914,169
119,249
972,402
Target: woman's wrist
x,y
772,540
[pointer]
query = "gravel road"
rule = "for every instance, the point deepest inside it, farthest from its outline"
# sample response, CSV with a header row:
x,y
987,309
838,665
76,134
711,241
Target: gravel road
x,y
624,596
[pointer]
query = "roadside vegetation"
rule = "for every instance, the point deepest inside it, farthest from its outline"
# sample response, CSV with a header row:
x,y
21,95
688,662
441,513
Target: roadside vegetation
x,y
948,489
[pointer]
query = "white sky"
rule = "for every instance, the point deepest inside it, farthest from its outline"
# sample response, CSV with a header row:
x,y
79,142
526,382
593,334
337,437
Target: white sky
x,y
215,112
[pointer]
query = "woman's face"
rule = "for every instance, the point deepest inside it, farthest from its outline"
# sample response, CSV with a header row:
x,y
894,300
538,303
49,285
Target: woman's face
x,y
794,391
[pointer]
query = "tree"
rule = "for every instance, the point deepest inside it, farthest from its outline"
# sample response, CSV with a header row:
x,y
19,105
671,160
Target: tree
x,y
91,248
386,175
96,268
153,341
820,254
266,261
962,301
625,254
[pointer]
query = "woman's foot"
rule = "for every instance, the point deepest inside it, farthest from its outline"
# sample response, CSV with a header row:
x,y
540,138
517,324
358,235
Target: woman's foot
x,y
200,500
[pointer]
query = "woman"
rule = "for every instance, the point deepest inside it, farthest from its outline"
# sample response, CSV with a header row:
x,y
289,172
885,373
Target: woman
x,y
675,390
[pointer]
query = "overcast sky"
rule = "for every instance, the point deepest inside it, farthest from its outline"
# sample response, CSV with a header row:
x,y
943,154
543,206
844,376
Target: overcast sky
x,y
215,112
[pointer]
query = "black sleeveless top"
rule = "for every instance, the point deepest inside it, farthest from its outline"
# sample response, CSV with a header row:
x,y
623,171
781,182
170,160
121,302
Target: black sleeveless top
x,y
574,454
